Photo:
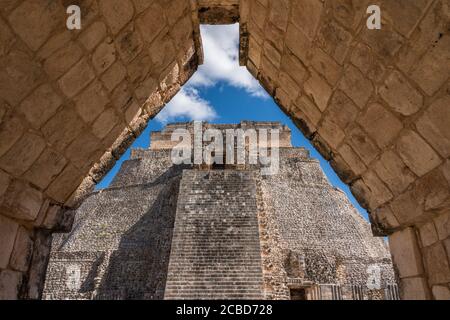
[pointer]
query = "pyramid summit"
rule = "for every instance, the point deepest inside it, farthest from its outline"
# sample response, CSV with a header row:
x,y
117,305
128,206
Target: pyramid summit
x,y
219,231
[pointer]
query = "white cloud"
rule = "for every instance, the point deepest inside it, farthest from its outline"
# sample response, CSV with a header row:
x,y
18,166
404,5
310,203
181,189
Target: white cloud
x,y
221,65
187,104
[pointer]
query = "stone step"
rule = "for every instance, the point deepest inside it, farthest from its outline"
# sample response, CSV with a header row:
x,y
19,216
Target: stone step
x,y
215,252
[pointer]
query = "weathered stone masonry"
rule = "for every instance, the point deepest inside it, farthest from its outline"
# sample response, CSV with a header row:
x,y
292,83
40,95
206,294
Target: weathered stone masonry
x,y
226,232
373,102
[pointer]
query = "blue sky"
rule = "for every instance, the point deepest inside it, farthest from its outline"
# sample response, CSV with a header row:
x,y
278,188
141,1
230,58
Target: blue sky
x,y
223,92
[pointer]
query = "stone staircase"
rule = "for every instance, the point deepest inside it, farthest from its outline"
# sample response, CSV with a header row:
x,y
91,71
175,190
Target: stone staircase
x,y
215,250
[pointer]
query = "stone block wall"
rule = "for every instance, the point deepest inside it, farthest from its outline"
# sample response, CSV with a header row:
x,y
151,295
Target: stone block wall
x,y
71,102
216,250
375,104
119,245
321,237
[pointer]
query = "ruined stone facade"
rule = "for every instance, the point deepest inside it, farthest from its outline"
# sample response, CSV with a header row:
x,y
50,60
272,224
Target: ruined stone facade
x,y
164,231
373,103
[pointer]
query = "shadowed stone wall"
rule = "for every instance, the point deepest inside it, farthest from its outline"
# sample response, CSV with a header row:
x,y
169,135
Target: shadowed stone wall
x,y
71,102
373,102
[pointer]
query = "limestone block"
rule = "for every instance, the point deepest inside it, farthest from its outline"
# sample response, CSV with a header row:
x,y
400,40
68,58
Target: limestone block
x,y
279,14
272,54
441,292
342,169
23,249
434,125
46,168
141,5
174,10
129,44
21,201
93,35
400,95
432,71
10,282
268,76
379,193
19,76
307,107
258,14
385,42
391,169
149,85
62,60
404,14
356,86
11,129
182,32
294,68
54,43
151,22
5,180
380,124
104,56
122,97
414,289
325,65
117,13
406,208
7,39
83,151
341,110
432,190
428,234
114,75
254,52
362,145
318,90
63,186
288,85
60,136
335,40
105,123
23,154
437,264
34,22
442,223
77,78
331,133
361,193
349,13
352,159
91,102
162,53
416,153
298,42
8,232
405,253
40,105
306,15
384,218
366,61
283,99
